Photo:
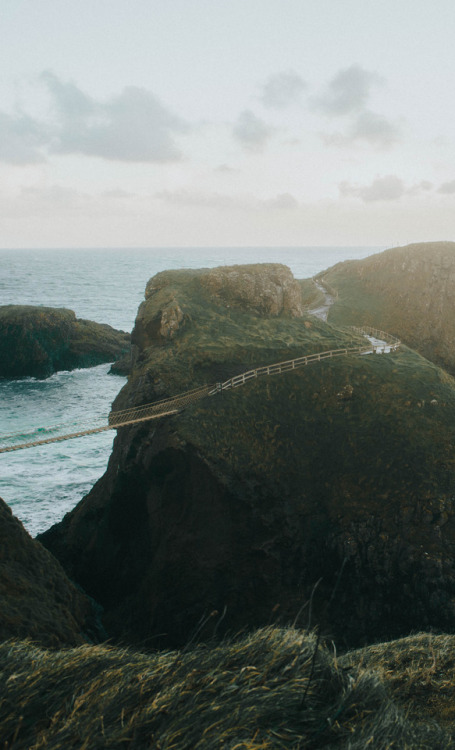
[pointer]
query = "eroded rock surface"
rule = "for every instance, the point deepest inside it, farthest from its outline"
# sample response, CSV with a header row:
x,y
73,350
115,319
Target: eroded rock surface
x,y
267,290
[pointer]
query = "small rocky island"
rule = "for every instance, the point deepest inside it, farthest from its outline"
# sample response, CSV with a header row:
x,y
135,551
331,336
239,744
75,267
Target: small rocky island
x,y
38,341
320,498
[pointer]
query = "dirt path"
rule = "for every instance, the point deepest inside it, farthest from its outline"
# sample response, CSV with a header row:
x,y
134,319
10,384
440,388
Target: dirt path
x,y
322,311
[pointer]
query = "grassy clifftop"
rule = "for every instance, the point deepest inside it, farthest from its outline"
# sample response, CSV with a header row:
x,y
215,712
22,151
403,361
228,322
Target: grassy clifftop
x,y
409,291
200,326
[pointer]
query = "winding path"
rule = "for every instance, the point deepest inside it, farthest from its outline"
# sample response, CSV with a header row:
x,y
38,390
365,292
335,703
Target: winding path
x,y
379,342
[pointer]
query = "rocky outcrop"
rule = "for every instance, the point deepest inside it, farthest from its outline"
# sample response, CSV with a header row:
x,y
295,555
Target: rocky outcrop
x,y
282,501
409,291
266,290
38,601
38,341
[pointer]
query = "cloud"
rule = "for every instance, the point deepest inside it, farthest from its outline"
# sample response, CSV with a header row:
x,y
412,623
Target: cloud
x,y
225,169
252,132
132,126
282,202
118,194
21,139
388,188
369,127
193,199
346,96
447,188
423,186
375,129
282,89
347,92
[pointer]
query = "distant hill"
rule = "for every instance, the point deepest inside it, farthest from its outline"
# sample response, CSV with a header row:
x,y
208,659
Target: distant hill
x,y
409,291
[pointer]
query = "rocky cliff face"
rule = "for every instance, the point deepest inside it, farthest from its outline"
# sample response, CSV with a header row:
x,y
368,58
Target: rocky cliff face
x,y
408,290
38,341
277,502
38,601
271,290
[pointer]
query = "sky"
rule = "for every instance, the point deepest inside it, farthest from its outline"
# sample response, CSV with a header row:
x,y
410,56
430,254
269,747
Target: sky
x,y
130,123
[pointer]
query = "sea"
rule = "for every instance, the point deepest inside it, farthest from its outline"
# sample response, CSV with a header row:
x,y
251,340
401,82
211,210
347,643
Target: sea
x,y
43,483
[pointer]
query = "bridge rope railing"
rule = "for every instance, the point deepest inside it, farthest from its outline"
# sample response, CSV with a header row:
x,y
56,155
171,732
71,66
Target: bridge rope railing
x,y
175,404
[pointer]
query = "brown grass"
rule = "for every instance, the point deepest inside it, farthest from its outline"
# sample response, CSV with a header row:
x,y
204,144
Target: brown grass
x,y
276,688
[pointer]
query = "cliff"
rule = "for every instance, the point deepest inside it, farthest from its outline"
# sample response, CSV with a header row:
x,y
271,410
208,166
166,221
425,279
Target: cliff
x,y
38,601
406,290
38,341
324,494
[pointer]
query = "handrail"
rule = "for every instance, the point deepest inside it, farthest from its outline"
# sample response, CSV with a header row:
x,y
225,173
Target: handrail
x,y
175,404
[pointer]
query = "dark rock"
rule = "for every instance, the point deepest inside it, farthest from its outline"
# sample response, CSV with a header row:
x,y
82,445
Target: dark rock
x,y
38,601
38,341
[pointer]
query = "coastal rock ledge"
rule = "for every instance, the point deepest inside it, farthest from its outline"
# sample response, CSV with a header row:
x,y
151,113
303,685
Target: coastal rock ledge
x,y
38,341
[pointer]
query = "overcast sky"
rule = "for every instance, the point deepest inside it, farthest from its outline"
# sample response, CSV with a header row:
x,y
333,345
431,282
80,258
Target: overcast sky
x,y
226,122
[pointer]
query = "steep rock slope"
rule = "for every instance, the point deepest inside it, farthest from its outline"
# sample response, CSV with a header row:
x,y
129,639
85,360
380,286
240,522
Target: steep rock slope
x,y
331,484
38,341
38,601
406,290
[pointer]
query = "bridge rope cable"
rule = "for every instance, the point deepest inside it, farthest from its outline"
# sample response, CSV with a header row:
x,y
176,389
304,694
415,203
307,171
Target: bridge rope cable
x,y
384,342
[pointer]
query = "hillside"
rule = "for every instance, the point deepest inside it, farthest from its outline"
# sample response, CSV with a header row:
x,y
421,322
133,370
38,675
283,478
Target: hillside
x,y
275,689
332,483
409,291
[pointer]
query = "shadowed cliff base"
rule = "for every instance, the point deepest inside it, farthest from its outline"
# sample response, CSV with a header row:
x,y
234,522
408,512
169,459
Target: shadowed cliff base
x,y
38,601
242,503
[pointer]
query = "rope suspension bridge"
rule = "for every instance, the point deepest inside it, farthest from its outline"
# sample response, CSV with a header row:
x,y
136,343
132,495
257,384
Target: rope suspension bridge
x,y
379,342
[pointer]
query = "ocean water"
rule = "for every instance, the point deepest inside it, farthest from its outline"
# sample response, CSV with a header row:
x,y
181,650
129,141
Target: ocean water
x,y
41,484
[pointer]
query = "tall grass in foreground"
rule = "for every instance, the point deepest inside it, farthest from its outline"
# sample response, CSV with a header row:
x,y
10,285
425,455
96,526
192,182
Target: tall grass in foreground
x,y
276,688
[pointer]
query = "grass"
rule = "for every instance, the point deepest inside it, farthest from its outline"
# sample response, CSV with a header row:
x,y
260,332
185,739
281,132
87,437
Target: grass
x,y
408,291
273,689
285,424
215,340
418,671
